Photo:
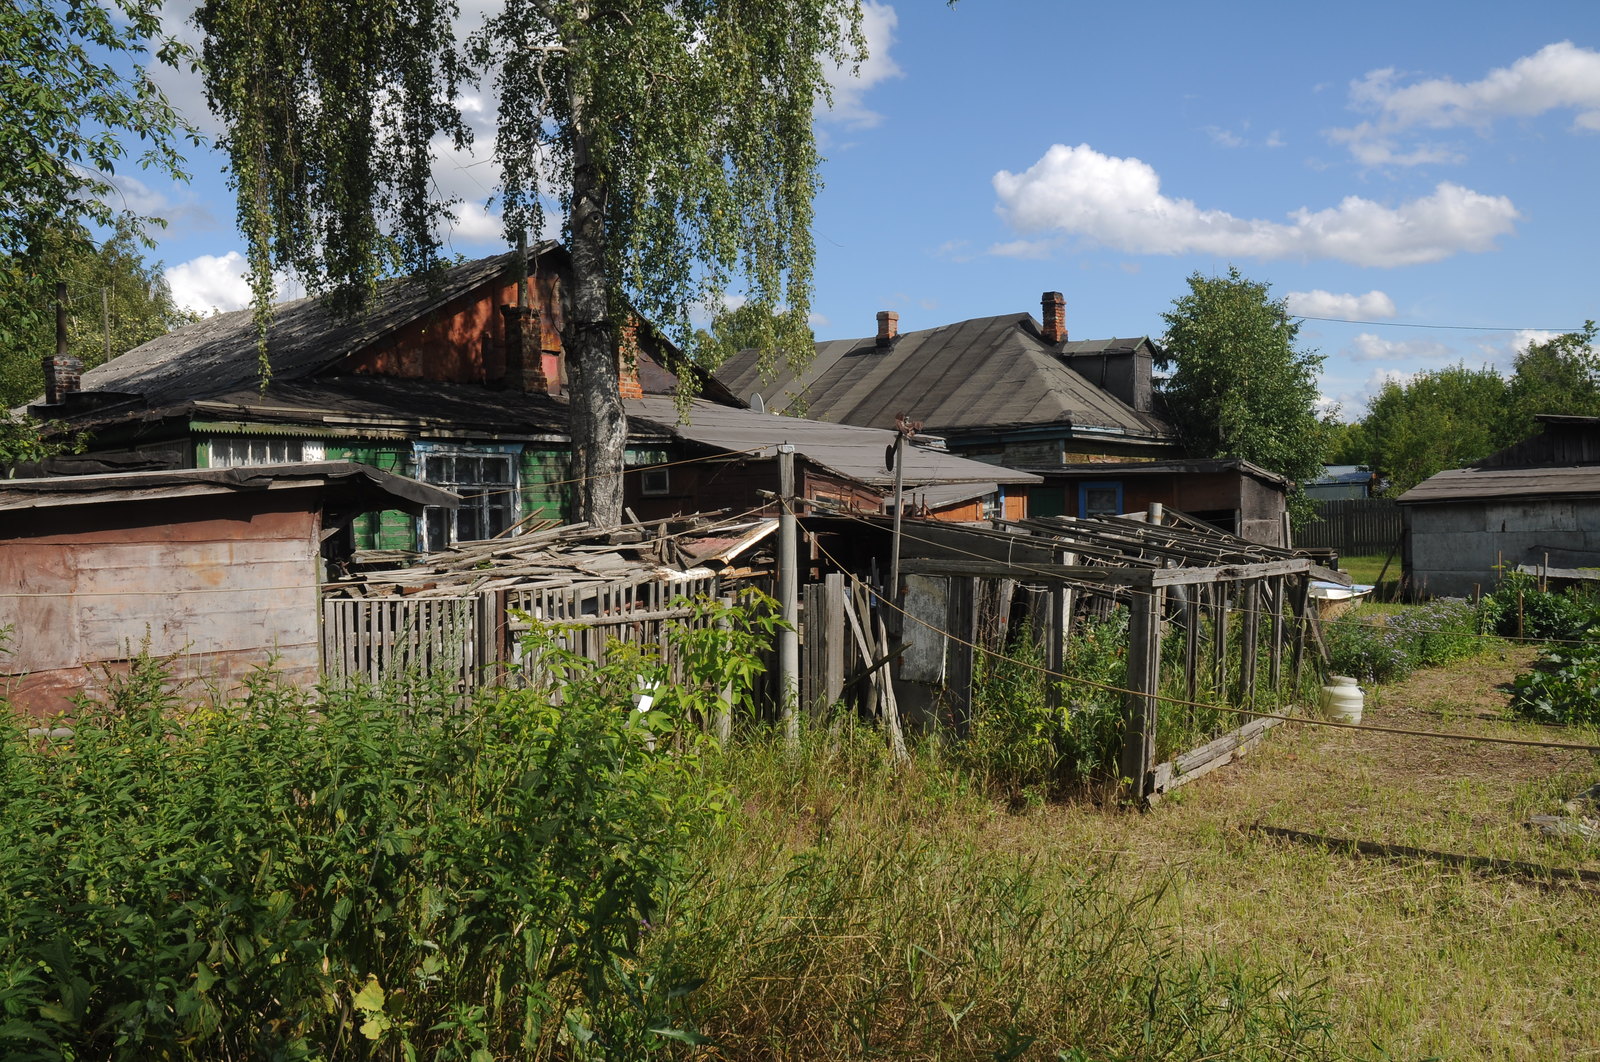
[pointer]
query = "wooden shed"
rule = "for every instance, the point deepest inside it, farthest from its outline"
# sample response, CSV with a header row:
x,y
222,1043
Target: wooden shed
x,y
1230,494
217,568
1534,504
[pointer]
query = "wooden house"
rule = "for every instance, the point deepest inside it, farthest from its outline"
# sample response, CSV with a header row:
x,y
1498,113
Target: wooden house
x,y
457,380
1018,392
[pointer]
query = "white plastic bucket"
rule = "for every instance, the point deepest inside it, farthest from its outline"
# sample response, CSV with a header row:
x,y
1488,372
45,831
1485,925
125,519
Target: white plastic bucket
x,y
1342,699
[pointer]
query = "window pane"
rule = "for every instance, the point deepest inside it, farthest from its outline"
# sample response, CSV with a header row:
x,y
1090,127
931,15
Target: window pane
x,y
488,487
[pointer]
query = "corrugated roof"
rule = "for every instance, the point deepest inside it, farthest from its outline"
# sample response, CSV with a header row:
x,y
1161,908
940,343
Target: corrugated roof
x,y
857,453
987,373
1461,484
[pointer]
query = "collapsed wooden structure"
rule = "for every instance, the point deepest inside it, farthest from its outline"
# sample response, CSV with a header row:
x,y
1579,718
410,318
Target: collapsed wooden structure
x,y
1242,612
459,612
1214,622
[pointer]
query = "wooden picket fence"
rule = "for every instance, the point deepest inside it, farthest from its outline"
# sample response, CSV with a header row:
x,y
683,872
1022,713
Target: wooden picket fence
x,y
473,639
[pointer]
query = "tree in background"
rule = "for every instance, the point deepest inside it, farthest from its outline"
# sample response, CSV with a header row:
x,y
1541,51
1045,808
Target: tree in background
x,y
1434,421
74,100
673,137
777,336
1239,387
1456,416
115,301
1560,375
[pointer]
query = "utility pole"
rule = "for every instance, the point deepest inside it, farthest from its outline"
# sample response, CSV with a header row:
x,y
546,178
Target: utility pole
x,y
788,598
903,429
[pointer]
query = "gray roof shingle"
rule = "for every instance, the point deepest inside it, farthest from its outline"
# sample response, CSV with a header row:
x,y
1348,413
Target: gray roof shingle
x,y
987,373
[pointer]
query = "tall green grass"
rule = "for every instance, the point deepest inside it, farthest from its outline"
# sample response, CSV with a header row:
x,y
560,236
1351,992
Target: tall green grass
x,y
277,878
855,909
384,873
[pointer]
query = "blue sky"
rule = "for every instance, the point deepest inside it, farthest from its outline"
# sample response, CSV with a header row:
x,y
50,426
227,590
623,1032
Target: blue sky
x,y
1397,163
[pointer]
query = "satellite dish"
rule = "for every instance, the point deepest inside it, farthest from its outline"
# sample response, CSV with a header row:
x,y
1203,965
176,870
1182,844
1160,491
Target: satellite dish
x,y
756,403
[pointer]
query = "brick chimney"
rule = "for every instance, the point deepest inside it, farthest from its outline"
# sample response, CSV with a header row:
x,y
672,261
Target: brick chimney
x,y
1053,311
888,328
62,375
628,385
524,360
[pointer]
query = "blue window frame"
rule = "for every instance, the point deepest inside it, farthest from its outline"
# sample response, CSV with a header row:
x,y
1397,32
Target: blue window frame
x,y
1102,498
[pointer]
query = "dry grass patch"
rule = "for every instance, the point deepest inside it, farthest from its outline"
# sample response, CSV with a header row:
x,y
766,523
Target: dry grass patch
x,y
920,878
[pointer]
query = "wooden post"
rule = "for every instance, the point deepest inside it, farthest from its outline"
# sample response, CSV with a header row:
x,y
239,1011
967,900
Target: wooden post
x,y
722,725
1191,643
1276,605
1219,638
1139,713
1299,601
962,621
788,599
899,513
1250,595
1053,635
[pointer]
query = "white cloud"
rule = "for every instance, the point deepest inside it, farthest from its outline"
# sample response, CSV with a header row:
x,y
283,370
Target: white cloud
x,y
878,23
1321,303
1368,347
1558,77
1502,349
1032,249
1353,405
210,283
1118,202
1224,137
218,284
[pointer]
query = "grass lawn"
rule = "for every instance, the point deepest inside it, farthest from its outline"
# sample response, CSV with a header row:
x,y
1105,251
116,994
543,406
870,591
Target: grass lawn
x,y
1366,569
1402,958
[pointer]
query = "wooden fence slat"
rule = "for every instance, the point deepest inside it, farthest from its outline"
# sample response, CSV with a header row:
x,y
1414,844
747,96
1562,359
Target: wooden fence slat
x,y
1353,526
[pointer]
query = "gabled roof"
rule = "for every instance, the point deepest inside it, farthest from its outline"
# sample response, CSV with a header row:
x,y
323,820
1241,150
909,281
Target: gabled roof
x,y
857,453
1490,484
218,354
988,374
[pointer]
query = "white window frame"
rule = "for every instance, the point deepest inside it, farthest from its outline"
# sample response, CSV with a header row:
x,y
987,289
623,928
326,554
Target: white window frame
x,y
248,451
438,527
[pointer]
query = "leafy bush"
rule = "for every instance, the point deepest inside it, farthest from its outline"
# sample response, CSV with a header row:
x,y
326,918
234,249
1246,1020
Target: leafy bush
x,y
1518,608
283,878
1563,686
1021,745
1389,648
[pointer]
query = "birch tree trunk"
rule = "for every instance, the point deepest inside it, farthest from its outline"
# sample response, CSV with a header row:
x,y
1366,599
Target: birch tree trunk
x,y
598,426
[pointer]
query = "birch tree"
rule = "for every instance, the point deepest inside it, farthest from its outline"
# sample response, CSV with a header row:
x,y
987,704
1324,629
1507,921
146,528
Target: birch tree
x,y
670,139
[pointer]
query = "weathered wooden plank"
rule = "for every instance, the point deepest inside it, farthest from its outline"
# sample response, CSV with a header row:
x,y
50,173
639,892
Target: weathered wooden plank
x,y
1249,655
1139,703
1208,757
